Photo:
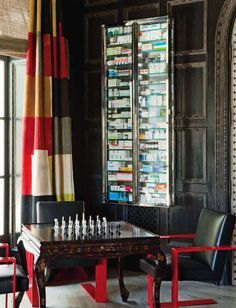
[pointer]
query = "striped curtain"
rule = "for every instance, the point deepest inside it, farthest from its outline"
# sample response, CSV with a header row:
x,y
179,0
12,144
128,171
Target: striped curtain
x,y
47,169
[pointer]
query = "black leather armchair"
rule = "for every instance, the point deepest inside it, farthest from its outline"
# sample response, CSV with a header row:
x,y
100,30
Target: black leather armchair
x,y
46,211
205,261
13,277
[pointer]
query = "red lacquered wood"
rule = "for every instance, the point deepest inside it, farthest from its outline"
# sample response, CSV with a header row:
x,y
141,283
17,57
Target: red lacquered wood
x,y
101,281
175,274
173,236
202,248
6,247
32,292
150,290
174,254
98,293
186,303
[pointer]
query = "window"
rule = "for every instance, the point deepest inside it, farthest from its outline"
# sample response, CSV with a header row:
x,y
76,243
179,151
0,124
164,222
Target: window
x,y
12,78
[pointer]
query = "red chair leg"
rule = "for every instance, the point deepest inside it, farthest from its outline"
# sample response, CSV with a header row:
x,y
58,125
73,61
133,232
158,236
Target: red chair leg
x,y
174,292
6,303
150,283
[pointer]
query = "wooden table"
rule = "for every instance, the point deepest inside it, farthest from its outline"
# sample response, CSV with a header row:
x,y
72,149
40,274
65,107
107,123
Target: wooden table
x,y
47,244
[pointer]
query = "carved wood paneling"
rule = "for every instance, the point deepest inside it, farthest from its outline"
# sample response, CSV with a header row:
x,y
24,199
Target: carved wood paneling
x,y
89,3
93,95
190,91
233,144
191,21
191,168
142,11
93,36
222,101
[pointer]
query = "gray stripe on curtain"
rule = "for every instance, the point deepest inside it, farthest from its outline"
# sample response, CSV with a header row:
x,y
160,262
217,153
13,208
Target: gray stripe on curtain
x,y
62,135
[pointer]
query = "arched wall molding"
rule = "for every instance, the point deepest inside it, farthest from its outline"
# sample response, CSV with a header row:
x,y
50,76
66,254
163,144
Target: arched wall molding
x,y
222,74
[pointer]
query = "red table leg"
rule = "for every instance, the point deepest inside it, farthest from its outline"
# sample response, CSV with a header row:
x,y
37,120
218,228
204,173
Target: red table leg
x,y
33,290
99,292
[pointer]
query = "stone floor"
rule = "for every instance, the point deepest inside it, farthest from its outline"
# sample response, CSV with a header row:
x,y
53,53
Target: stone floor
x,y
74,296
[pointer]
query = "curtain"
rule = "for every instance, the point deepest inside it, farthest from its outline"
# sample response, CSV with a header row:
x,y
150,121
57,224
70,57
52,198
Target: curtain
x,y
47,167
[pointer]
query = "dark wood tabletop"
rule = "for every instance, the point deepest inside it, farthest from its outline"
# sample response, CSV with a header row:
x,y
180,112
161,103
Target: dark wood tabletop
x,y
120,239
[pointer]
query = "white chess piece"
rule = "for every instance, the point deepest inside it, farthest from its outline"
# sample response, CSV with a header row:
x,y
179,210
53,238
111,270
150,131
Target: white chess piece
x,y
56,225
70,223
63,223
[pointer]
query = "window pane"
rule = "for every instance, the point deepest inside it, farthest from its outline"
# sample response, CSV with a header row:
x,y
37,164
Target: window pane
x,y
2,92
18,153
18,203
18,82
19,87
2,154
1,206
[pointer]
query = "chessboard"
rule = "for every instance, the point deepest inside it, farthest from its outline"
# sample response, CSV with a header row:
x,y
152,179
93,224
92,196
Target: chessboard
x,y
86,229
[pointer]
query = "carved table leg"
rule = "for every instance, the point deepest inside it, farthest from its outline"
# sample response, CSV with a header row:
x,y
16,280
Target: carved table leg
x,y
160,272
123,291
39,274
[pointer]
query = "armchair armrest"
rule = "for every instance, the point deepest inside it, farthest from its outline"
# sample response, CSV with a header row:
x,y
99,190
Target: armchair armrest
x,y
11,260
6,247
174,255
177,250
175,236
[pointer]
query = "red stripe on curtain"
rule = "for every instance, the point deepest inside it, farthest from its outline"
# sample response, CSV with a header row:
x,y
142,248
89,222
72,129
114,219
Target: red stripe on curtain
x,y
47,57
37,136
31,55
43,134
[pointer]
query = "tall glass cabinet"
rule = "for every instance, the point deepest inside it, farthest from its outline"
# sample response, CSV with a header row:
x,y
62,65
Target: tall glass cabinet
x,y
137,113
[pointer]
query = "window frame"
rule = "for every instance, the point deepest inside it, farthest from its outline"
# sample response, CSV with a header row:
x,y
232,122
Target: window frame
x,y
9,117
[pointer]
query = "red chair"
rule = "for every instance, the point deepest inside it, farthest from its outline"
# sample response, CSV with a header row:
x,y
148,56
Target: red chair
x,y
13,278
205,260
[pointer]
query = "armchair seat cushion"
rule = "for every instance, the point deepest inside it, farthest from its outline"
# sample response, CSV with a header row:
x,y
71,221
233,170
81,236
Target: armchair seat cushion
x,y
6,278
189,269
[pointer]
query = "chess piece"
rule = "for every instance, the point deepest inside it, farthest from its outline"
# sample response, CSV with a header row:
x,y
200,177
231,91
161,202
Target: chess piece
x,y
63,223
56,224
83,219
70,223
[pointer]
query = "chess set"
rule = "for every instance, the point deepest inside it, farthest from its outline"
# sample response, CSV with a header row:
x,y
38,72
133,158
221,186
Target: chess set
x,y
86,229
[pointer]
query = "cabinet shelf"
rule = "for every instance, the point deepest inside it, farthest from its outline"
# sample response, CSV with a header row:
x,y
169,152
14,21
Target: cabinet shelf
x,y
137,113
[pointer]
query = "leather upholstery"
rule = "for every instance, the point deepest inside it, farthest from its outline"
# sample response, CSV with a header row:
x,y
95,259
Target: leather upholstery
x,y
213,229
47,211
6,274
189,269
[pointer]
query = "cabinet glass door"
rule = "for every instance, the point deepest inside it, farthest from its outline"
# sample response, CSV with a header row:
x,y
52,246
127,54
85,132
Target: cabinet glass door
x,y
153,116
118,114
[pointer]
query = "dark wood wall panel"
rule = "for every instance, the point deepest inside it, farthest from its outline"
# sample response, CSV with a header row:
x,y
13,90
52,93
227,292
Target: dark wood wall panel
x,y
190,20
191,168
89,3
94,152
93,22
195,111
190,90
142,11
93,97
185,221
